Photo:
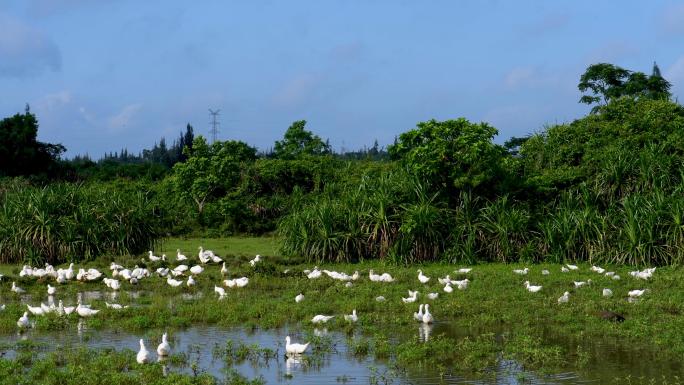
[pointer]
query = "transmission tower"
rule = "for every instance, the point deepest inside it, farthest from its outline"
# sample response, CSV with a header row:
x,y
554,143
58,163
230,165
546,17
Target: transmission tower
x,y
214,131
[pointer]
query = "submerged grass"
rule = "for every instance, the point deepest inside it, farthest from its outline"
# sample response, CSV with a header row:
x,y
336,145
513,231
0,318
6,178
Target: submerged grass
x,y
494,318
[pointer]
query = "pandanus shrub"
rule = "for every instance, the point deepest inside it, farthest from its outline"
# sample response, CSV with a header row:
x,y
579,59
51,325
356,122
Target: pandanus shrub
x,y
72,222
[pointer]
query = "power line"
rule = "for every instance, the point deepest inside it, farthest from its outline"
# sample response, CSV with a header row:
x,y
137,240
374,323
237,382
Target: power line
x,y
214,131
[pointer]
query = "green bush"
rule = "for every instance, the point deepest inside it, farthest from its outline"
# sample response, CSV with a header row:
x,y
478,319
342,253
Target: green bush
x,y
72,222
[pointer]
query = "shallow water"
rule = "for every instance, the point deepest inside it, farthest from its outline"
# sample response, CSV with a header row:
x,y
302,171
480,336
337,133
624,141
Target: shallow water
x,y
340,366
609,358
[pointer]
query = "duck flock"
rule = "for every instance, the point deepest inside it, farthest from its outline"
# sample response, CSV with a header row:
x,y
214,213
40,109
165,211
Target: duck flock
x,y
183,274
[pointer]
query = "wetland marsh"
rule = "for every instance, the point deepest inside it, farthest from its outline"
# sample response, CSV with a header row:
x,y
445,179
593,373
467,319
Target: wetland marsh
x,y
492,332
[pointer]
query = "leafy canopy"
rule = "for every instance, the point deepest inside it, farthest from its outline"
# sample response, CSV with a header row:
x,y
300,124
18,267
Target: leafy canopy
x,y
20,152
450,154
606,82
299,142
210,169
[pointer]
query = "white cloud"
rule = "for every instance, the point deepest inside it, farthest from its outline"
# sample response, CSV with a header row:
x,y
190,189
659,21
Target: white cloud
x,y
53,101
24,50
119,121
296,90
519,76
113,123
612,52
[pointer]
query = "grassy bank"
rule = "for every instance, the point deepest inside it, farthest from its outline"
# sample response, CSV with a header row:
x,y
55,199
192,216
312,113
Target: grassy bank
x,y
494,314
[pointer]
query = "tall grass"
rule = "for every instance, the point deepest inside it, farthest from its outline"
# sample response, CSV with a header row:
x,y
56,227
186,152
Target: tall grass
x,y
394,217
67,222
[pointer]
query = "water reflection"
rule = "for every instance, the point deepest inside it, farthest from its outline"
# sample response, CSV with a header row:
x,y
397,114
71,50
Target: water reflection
x,y
292,364
610,358
424,331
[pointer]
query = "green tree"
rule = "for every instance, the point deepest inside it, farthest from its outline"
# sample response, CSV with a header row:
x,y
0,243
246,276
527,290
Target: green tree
x,y
607,82
299,142
659,88
20,152
453,154
211,169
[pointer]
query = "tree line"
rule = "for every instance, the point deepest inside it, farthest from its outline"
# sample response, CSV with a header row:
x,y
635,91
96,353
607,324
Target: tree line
x,y
606,187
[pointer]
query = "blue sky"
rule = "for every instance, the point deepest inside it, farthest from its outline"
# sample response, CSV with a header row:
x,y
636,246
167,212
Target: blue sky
x,y
107,74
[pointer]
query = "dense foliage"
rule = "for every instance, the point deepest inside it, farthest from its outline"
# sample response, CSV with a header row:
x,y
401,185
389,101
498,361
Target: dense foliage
x,y
609,82
606,187
70,222
20,151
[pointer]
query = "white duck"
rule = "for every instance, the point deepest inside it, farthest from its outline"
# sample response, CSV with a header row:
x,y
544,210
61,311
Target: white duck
x,y
564,298
443,281
291,348
256,260
572,267
173,282
464,270
17,289
51,290
579,284
241,282
427,317
351,317
205,255
521,272
220,291
386,277
564,269
448,288
419,316
532,289
143,356
314,274
545,272
153,258
607,292
299,298
114,284
462,284
23,321
164,349
69,273
85,311
413,295
191,281
422,278
180,257
317,319
35,310
68,309
636,293
224,270
433,295
197,269
115,306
